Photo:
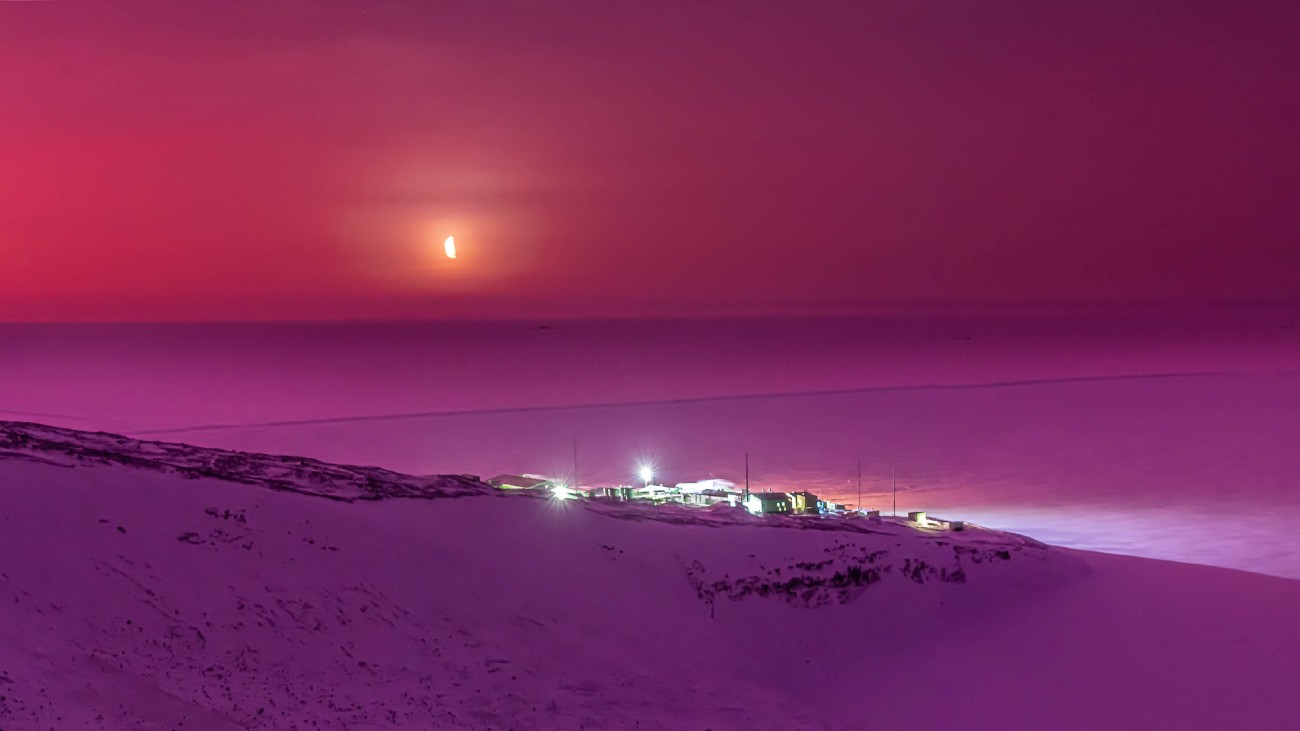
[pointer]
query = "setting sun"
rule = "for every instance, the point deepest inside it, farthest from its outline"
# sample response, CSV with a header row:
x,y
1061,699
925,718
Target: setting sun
x,y
449,246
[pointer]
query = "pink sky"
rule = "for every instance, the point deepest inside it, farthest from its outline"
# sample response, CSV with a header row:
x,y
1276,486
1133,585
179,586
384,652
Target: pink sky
x,y
230,160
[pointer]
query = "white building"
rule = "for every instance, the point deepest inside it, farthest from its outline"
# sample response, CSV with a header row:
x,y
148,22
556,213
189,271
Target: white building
x,y
656,493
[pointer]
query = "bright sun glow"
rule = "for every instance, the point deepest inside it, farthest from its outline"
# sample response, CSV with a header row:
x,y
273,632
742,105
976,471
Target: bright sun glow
x,y
646,473
449,246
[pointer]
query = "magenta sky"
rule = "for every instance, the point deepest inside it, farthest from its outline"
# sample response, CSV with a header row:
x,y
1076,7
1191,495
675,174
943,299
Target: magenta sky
x,y
240,159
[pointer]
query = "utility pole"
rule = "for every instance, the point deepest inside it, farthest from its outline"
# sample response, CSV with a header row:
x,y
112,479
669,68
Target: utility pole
x,y
575,461
893,477
859,505
746,476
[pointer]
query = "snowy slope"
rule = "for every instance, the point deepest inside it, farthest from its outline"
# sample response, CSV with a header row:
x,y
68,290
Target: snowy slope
x,y
144,587
52,445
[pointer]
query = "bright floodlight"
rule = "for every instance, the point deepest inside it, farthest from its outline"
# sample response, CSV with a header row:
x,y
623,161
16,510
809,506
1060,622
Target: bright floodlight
x,y
646,473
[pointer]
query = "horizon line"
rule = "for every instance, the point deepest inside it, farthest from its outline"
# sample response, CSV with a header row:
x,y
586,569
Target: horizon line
x,y
863,310
689,400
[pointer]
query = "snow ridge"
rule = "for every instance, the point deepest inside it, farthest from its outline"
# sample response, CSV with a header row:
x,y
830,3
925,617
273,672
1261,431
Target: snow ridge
x,y
66,447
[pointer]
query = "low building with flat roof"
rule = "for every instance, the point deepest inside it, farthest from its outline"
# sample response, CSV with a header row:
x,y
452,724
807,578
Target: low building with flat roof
x,y
710,497
803,502
768,503
657,493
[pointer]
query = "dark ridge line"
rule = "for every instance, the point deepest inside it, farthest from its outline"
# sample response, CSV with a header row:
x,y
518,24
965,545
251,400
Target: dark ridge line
x,y
39,414
690,400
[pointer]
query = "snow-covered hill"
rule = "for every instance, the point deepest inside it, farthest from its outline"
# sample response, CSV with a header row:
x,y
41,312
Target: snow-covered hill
x,y
151,586
65,447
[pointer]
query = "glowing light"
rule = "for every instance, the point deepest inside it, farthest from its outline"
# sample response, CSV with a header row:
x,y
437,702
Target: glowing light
x,y
449,246
563,492
647,473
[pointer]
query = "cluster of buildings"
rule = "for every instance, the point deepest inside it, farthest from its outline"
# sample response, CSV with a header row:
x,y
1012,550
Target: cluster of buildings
x,y
709,493
706,493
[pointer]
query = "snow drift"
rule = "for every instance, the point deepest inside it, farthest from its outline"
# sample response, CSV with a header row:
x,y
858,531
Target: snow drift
x,y
146,585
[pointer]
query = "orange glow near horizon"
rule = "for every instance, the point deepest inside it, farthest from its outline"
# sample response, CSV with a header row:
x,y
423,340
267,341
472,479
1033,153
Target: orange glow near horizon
x,y
310,160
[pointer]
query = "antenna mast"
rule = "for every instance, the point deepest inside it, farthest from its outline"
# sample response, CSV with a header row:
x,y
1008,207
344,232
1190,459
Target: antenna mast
x,y
746,476
859,505
575,461
893,477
